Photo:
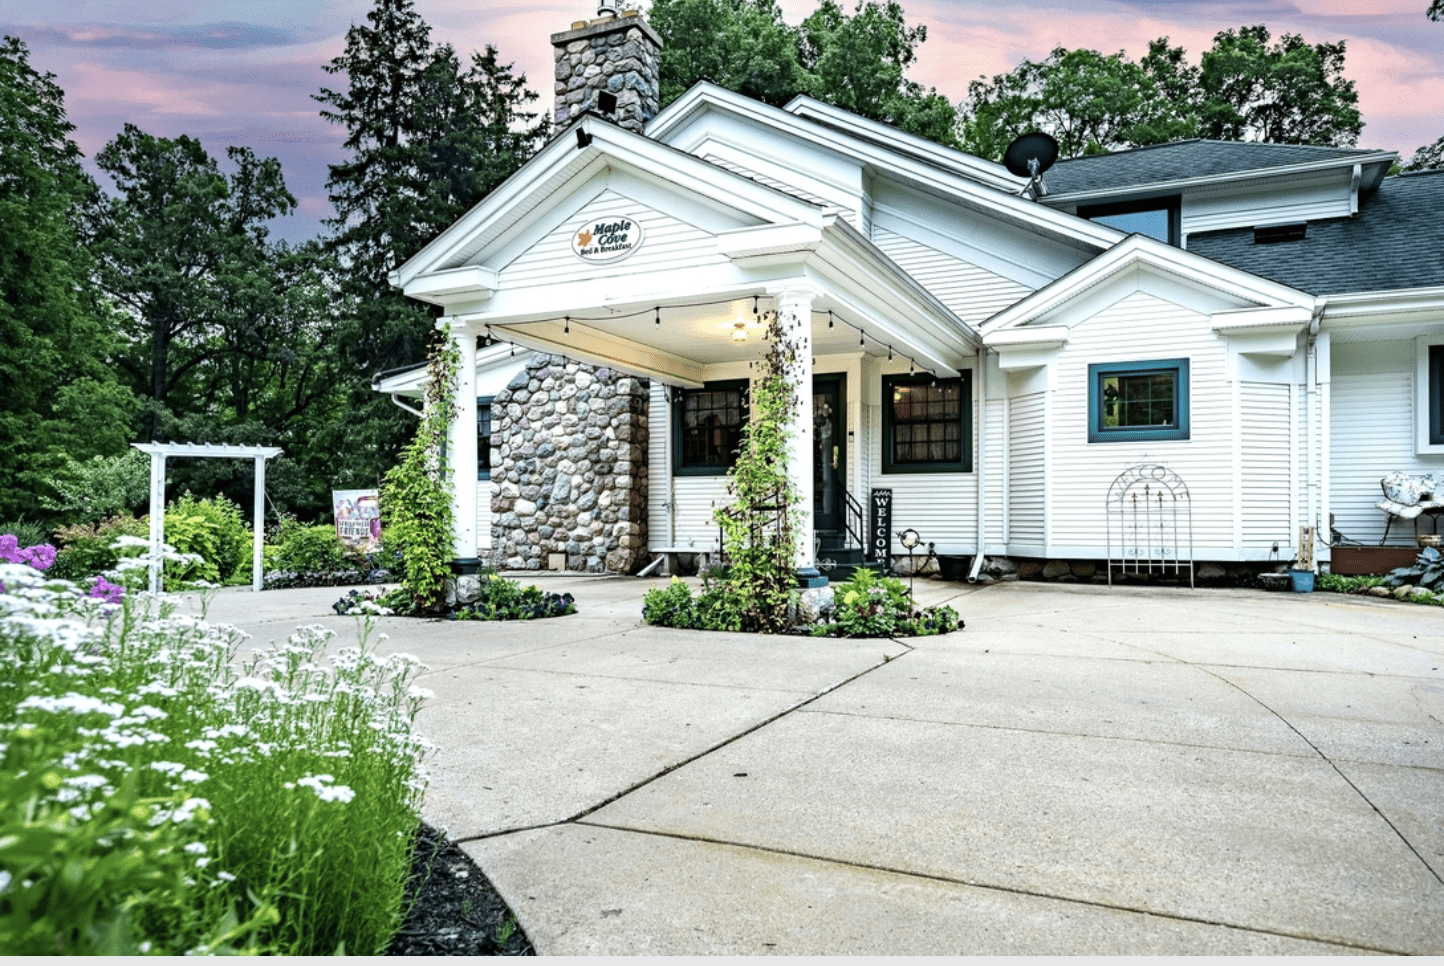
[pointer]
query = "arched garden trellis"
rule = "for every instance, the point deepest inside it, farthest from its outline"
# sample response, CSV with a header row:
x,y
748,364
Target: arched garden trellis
x,y
1150,522
159,452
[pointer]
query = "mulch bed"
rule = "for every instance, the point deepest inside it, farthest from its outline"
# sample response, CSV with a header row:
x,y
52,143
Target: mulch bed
x,y
454,909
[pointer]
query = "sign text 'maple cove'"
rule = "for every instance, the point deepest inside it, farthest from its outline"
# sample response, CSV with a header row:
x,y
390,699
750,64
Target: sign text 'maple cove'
x,y
607,239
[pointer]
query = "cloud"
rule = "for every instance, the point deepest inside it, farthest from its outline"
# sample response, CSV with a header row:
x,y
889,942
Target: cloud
x,y
160,36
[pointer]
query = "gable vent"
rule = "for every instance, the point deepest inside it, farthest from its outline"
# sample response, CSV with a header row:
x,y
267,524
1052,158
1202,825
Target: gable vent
x,y
1272,234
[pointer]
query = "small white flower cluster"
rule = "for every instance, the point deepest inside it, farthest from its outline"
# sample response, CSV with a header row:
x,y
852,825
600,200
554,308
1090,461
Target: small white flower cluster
x,y
324,789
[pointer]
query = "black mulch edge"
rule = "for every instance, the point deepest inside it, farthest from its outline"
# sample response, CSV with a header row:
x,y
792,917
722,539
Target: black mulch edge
x,y
454,911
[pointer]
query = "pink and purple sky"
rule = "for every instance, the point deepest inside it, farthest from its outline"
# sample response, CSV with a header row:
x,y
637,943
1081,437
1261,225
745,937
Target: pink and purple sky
x,y
243,71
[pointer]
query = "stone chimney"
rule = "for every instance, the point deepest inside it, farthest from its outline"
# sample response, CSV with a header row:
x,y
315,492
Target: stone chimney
x,y
610,65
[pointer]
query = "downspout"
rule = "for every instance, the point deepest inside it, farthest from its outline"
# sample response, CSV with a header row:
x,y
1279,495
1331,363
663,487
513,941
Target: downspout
x,y
1310,374
396,398
981,464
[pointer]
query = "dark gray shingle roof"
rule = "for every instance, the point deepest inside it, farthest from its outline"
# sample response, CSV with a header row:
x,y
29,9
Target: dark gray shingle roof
x,y
1397,241
1179,160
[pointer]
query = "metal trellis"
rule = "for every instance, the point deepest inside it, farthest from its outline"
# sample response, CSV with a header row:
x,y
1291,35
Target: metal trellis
x,y
1150,523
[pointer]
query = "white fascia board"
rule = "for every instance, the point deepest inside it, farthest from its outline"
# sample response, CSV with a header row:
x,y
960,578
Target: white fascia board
x,y
1139,250
412,382
1371,308
608,143
989,172
997,202
1246,321
1285,172
1030,335
452,285
741,244
587,344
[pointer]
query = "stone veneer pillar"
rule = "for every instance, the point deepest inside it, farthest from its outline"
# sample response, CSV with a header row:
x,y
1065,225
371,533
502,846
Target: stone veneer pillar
x,y
620,55
569,470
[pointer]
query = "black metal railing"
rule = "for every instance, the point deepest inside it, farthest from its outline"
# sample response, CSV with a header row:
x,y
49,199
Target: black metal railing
x,y
852,518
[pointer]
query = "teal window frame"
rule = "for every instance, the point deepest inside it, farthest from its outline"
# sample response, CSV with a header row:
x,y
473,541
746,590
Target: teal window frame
x,y
1178,428
679,398
965,423
1436,395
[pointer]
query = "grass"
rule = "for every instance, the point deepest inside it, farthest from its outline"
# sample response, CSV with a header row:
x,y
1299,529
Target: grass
x,y
157,797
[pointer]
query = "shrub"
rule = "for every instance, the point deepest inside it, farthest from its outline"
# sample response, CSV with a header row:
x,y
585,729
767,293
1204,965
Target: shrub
x,y
103,486
154,798
1427,572
506,600
308,550
226,533
88,549
873,606
1347,585
27,534
717,608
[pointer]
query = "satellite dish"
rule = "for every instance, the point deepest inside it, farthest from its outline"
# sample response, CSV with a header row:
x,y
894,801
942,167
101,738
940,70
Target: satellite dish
x,y
1030,154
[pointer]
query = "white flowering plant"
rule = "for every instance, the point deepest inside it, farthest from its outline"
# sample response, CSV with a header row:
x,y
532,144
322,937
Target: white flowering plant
x,y
156,795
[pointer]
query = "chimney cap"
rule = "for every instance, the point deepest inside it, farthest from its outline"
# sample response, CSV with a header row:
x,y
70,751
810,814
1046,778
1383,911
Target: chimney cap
x,y
607,8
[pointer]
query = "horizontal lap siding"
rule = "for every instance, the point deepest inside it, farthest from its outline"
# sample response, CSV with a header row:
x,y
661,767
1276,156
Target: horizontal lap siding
x,y
942,507
667,242
658,464
1372,435
995,470
1267,467
483,514
972,293
1272,206
1027,485
1139,328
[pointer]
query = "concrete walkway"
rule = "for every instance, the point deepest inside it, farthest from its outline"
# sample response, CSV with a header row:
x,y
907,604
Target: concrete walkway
x,y
1079,771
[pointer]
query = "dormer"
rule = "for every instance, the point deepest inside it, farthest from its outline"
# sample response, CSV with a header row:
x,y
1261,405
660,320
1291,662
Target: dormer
x,y
1172,191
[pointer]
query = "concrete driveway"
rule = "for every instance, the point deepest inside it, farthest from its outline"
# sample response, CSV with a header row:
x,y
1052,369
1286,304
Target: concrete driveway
x,y
1081,770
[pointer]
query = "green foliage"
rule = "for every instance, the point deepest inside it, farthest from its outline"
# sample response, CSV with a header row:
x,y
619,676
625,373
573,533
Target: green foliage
x,y
151,787
856,62
1243,89
1427,157
26,533
307,549
1426,573
1436,10
1337,584
54,331
715,609
213,529
873,606
102,486
416,494
759,527
507,600
428,137
88,549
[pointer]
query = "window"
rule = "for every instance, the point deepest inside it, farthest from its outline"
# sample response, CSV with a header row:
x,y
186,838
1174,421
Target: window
x,y
1429,404
1138,401
707,427
1154,217
927,424
483,437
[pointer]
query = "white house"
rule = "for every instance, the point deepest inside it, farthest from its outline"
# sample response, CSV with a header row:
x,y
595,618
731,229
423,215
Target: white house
x,y
1265,321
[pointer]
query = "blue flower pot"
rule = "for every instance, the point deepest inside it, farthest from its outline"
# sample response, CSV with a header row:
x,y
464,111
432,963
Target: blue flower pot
x,y
1303,581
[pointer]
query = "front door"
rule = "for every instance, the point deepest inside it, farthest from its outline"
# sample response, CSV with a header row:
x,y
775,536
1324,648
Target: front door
x,y
829,449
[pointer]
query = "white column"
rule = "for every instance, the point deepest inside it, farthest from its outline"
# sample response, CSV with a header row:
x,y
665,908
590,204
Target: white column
x,y
257,555
794,312
157,519
461,446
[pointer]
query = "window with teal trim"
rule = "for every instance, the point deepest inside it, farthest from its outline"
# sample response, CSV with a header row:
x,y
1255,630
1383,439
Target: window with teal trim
x,y
927,424
1138,401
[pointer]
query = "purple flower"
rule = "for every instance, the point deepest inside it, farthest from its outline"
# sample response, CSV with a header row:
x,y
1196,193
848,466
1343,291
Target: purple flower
x,y
40,556
106,591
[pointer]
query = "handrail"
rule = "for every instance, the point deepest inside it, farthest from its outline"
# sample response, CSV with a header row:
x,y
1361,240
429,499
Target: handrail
x,y
852,511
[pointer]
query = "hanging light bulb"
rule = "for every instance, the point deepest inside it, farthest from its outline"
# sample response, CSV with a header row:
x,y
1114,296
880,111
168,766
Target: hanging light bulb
x,y
658,320
829,318
513,351
567,329
755,317
912,367
739,331
889,353
488,337
862,338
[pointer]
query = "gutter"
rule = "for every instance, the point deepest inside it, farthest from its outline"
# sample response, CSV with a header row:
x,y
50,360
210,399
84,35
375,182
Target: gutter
x,y
981,466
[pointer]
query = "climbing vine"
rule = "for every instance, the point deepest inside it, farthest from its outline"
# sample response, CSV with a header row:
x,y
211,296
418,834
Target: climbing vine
x,y
416,493
759,527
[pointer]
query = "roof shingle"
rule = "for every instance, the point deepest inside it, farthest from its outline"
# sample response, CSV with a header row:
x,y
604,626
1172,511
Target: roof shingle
x,y
1179,160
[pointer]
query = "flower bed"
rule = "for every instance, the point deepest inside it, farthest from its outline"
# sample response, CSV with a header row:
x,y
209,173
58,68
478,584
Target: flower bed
x,y
155,798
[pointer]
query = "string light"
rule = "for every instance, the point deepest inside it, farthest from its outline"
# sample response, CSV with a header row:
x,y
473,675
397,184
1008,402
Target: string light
x,y
862,338
658,320
567,329
889,353
829,318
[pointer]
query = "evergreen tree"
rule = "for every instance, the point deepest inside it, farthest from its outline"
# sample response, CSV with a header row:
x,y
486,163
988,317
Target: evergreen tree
x,y
60,396
427,139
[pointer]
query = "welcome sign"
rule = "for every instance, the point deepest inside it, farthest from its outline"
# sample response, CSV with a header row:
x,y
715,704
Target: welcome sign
x,y
607,239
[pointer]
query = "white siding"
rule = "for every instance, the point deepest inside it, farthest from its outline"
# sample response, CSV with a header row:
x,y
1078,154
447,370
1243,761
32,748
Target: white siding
x,y
483,515
1266,206
995,469
658,463
1372,435
667,242
1141,327
1027,484
973,293
1267,466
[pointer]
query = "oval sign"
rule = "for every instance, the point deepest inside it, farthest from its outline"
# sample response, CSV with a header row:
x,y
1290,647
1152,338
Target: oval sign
x,y
607,238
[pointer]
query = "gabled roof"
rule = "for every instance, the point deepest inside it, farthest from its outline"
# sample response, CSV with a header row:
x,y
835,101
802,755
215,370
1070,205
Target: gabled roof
x,y
906,166
1394,243
1183,162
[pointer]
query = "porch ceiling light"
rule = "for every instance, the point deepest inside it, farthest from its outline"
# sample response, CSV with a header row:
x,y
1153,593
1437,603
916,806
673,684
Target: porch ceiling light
x,y
739,331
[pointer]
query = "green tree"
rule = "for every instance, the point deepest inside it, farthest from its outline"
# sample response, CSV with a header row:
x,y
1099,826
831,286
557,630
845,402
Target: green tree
x,y
857,62
1291,92
60,396
1436,10
1243,88
1427,157
427,139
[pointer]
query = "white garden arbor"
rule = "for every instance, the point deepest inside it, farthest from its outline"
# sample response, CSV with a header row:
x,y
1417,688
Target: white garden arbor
x,y
159,452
